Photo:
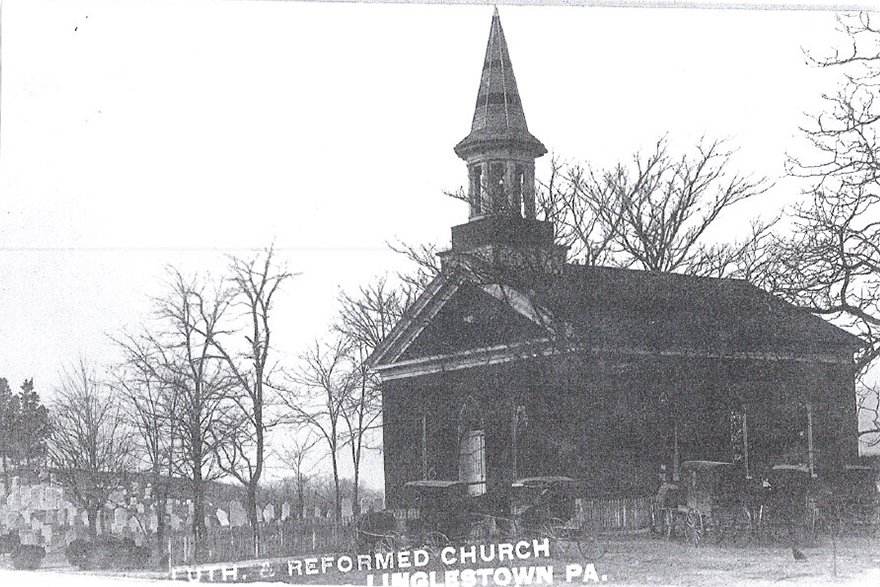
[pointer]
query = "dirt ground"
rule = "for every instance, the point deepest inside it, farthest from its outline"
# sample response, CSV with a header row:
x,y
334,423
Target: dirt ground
x,y
643,561
628,561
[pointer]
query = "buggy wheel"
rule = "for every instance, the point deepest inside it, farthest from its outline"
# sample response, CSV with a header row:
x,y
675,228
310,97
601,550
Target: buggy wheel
x,y
550,529
434,542
590,547
479,532
693,528
385,544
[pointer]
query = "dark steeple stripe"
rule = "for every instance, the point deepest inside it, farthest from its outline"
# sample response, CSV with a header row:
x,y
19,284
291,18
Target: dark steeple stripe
x,y
498,98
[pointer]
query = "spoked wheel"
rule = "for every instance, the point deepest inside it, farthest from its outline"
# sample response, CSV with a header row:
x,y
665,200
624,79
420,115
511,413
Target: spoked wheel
x,y
572,541
479,532
434,542
590,547
693,528
385,544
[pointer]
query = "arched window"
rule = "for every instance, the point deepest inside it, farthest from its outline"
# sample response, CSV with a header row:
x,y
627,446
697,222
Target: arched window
x,y
472,447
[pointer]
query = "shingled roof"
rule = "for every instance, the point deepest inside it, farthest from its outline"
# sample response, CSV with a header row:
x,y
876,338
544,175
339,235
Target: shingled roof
x,y
632,309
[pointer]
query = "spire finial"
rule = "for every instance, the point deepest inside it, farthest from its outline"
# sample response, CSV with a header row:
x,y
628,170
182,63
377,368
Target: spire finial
x,y
495,12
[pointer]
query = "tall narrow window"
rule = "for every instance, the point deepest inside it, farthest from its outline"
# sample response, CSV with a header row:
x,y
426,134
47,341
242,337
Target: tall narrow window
x,y
496,186
516,190
476,190
472,448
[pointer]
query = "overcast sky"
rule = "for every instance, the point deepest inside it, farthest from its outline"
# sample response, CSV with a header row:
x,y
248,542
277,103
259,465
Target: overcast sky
x,y
140,134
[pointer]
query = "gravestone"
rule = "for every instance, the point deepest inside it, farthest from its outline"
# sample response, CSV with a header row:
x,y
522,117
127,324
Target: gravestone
x,y
347,510
14,521
46,532
222,517
120,518
269,513
175,522
13,500
237,514
72,515
54,496
36,500
153,522
285,511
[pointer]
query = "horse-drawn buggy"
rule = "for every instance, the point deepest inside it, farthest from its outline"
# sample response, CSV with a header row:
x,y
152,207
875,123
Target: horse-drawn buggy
x,y
536,507
854,505
713,501
547,507
444,517
792,503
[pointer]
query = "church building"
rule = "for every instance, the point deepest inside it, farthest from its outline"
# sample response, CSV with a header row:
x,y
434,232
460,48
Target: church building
x,y
515,363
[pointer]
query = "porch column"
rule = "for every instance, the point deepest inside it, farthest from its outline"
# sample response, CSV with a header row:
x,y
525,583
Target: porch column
x,y
675,456
424,447
745,422
810,451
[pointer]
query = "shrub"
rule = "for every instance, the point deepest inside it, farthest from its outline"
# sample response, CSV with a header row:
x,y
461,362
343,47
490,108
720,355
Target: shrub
x,y
106,553
28,556
77,552
9,542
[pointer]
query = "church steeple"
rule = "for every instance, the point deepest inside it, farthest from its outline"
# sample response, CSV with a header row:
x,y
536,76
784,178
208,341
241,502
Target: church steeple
x,y
500,151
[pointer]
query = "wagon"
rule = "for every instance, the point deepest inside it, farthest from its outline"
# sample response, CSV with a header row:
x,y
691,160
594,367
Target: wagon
x,y
716,503
444,518
855,499
792,503
545,507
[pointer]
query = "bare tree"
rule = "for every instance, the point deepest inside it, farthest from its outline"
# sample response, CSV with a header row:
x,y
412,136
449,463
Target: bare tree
x,y
425,267
365,319
255,283
295,456
90,444
150,404
187,320
320,389
654,213
831,264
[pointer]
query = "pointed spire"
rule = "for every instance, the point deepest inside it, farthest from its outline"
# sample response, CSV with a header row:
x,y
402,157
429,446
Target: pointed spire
x,y
499,114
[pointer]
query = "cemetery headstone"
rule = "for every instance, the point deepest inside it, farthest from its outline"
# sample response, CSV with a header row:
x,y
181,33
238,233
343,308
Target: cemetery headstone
x,y
269,513
237,514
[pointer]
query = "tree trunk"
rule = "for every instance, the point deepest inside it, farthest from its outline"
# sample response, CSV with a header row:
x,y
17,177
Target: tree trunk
x,y
356,495
198,522
253,517
337,502
254,481
356,465
92,516
161,500
5,475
